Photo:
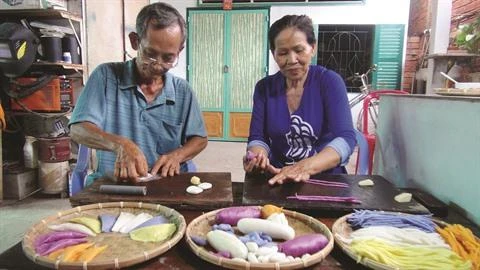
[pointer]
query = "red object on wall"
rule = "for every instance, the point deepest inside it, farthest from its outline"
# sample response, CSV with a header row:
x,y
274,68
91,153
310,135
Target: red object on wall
x,y
56,96
227,4
53,150
66,93
46,99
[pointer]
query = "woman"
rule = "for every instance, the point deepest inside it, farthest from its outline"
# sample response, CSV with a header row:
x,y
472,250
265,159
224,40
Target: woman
x,y
301,122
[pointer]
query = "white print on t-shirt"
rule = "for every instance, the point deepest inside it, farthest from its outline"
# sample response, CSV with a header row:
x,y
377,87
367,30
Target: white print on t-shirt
x,y
300,139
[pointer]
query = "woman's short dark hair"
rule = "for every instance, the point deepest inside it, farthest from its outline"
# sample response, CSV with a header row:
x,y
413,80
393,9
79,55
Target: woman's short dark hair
x,y
159,16
301,22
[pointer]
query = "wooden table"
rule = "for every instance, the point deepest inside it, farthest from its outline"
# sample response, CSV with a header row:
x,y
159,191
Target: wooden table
x,y
181,257
380,196
169,191
178,257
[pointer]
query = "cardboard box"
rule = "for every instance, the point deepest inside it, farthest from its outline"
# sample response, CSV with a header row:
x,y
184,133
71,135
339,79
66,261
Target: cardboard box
x,y
33,4
18,184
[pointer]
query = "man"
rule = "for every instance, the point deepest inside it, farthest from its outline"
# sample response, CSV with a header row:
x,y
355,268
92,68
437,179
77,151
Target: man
x,y
139,115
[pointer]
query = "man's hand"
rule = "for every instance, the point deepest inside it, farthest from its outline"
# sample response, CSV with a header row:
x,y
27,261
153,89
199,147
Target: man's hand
x,y
167,165
131,162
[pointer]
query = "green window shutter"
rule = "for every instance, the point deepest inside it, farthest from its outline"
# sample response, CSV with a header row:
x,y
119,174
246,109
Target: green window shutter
x,y
388,54
248,51
205,63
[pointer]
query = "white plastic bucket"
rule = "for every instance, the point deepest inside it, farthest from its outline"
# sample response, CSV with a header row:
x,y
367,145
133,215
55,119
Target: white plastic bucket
x,y
53,176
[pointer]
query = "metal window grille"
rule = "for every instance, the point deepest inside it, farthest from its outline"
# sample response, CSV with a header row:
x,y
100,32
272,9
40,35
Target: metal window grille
x,y
346,49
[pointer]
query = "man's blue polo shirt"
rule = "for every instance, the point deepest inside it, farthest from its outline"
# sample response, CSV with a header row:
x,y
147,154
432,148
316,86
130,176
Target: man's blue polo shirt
x,y
112,100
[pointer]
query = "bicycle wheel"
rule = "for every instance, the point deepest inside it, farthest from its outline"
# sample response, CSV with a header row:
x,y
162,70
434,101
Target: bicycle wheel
x,y
372,115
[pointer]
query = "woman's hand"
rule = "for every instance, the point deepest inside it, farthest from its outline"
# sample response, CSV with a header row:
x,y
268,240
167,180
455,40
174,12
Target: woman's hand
x,y
131,162
297,172
255,160
301,171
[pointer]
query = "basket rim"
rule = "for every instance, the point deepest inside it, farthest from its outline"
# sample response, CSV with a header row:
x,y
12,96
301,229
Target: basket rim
x,y
342,221
110,263
233,264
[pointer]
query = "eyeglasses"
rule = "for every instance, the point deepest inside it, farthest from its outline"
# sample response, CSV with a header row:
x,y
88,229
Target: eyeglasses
x,y
165,60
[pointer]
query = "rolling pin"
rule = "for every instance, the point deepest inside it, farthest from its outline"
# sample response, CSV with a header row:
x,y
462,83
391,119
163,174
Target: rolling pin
x,y
125,190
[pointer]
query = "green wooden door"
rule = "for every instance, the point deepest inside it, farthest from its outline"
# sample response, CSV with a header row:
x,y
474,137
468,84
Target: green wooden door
x,y
388,55
227,55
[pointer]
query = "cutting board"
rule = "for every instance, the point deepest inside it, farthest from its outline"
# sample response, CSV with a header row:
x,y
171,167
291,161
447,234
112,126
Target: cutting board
x,y
168,191
256,191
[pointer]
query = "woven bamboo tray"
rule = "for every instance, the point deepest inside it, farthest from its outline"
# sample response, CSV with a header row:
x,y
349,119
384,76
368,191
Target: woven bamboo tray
x,y
342,228
302,224
121,251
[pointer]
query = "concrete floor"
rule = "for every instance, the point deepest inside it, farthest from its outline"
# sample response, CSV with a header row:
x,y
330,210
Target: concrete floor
x,y
222,157
17,216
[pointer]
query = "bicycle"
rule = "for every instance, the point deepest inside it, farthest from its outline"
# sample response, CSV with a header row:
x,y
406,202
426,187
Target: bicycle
x,y
371,100
365,90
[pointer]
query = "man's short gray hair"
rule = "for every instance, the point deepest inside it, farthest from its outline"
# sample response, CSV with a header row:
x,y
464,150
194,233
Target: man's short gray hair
x,y
159,16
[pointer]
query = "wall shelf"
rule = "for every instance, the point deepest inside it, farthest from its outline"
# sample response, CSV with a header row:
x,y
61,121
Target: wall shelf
x,y
59,64
59,68
54,17
73,19
39,13
452,55
439,62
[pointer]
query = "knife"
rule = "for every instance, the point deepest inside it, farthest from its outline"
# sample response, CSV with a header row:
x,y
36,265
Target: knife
x,y
149,177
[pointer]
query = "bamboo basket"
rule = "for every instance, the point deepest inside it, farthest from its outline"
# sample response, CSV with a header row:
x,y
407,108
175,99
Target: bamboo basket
x,y
342,228
121,251
302,224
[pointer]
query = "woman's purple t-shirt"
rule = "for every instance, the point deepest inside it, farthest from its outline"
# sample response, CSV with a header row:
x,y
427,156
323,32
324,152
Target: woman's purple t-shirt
x,y
322,116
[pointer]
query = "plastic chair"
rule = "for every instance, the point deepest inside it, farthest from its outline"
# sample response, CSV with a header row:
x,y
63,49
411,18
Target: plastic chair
x,y
77,182
371,137
191,167
362,156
